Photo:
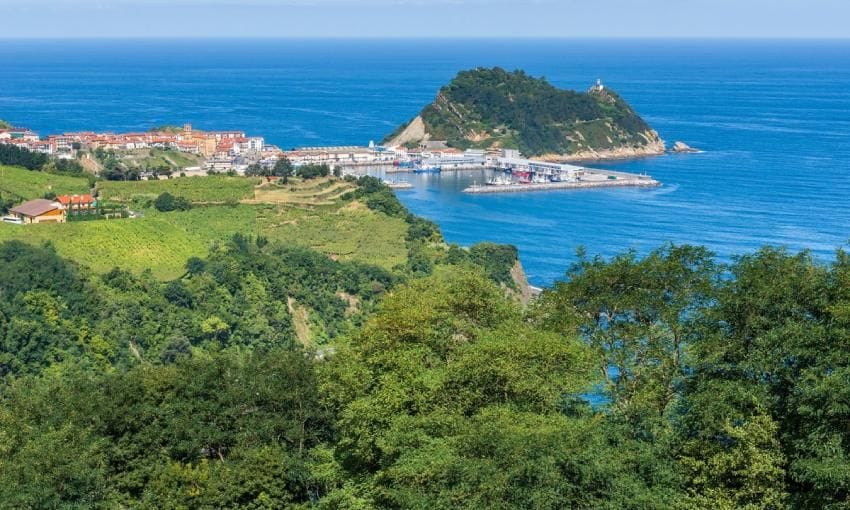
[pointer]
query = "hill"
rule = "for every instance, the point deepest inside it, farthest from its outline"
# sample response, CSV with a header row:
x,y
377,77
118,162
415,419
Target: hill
x,y
20,184
494,108
310,214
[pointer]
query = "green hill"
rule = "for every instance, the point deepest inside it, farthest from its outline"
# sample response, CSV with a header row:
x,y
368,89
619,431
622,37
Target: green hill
x,y
20,184
312,214
485,108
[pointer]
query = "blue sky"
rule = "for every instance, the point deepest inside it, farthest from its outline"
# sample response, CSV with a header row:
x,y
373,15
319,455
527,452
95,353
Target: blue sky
x,y
425,18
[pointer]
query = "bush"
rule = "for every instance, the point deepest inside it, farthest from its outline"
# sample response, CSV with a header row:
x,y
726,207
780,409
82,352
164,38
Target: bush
x,y
167,202
308,172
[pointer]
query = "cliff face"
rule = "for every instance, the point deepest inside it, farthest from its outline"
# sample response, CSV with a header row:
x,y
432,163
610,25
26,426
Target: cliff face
x,y
493,108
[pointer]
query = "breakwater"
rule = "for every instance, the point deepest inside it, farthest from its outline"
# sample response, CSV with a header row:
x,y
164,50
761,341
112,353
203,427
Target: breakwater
x,y
594,180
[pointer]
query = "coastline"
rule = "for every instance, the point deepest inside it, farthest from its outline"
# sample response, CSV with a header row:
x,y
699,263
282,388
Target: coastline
x,y
618,154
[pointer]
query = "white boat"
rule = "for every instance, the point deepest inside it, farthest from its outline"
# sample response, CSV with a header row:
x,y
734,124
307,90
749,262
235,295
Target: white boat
x,y
500,180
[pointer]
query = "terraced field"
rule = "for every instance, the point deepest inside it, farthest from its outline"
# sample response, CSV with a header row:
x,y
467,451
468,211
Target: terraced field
x,y
215,189
310,193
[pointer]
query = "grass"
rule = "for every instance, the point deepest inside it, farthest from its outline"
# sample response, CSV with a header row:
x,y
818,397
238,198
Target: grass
x,y
27,184
162,242
311,216
158,158
200,190
351,232
310,193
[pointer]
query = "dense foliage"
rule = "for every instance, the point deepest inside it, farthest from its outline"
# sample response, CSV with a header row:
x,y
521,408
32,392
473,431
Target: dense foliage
x,y
17,156
313,171
494,107
166,202
663,381
241,297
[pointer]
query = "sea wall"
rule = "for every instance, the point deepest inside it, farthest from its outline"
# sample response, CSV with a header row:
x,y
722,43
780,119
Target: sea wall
x,y
518,188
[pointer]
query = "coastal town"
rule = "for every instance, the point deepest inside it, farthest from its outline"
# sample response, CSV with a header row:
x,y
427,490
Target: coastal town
x,y
235,152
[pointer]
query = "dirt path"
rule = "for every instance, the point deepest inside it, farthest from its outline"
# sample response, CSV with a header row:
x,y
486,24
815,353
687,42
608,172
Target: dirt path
x,y
301,322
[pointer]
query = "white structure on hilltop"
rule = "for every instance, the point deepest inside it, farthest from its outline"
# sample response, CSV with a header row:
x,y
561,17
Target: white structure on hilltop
x,y
599,87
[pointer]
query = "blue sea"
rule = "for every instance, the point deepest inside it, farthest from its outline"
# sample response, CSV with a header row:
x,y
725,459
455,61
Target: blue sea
x,y
773,118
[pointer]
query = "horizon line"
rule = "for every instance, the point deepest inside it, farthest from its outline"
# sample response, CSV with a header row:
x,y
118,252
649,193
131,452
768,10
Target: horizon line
x,y
424,38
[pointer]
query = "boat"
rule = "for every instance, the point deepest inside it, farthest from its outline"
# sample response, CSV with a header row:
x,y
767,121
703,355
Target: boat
x,y
539,179
427,170
500,181
398,184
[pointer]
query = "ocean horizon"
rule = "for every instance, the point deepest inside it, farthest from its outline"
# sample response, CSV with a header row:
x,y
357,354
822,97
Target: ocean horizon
x,y
772,116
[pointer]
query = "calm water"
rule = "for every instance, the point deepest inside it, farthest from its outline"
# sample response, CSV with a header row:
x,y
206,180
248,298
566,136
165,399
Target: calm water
x,y
773,118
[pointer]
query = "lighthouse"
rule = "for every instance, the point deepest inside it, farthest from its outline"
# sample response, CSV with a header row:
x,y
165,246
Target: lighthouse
x,y
599,87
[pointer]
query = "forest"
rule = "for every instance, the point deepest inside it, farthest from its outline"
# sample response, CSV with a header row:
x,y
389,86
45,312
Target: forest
x,y
665,380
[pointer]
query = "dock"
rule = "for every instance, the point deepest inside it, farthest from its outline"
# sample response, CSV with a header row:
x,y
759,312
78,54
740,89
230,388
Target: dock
x,y
592,179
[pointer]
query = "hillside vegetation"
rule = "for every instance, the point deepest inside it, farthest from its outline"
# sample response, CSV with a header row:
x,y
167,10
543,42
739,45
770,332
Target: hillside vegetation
x,y
212,189
311,214
21,184
668,381
485,108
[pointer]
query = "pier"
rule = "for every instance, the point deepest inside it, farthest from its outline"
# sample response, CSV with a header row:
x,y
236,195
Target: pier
x,y
590,179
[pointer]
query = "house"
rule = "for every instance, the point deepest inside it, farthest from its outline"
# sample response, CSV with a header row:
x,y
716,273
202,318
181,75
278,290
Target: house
x,y
77,203
39,211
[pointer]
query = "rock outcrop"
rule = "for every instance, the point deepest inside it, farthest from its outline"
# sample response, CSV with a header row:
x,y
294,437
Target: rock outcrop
x,y
414,132
683,148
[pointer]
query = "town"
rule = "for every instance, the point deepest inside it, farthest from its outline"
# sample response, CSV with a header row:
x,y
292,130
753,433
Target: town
x,y
162,152
222,151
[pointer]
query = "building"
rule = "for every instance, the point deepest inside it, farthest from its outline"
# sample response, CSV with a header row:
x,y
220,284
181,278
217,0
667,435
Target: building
x,y
77,204
39,211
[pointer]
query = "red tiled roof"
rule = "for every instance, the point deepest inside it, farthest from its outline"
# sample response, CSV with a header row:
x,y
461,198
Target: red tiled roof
x,y
75,199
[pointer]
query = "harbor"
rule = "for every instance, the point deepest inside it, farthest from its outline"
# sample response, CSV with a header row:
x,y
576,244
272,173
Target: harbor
x,y
509,171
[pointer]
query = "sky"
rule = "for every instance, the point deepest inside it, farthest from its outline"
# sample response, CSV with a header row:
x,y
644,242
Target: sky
x,y
426,18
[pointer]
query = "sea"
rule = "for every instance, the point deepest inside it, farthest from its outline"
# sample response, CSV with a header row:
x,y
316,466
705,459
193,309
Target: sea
x,y
772,118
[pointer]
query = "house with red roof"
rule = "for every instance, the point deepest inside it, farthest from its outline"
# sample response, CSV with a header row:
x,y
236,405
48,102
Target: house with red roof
x,y
77,204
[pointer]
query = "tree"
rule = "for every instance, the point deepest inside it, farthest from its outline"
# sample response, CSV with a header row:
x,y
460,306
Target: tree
x,y
283,169
195,266
638,315
166,202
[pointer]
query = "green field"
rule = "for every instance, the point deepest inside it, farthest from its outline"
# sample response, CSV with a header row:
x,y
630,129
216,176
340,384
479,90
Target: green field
x,y
162,242
26,184
201,190
351,232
